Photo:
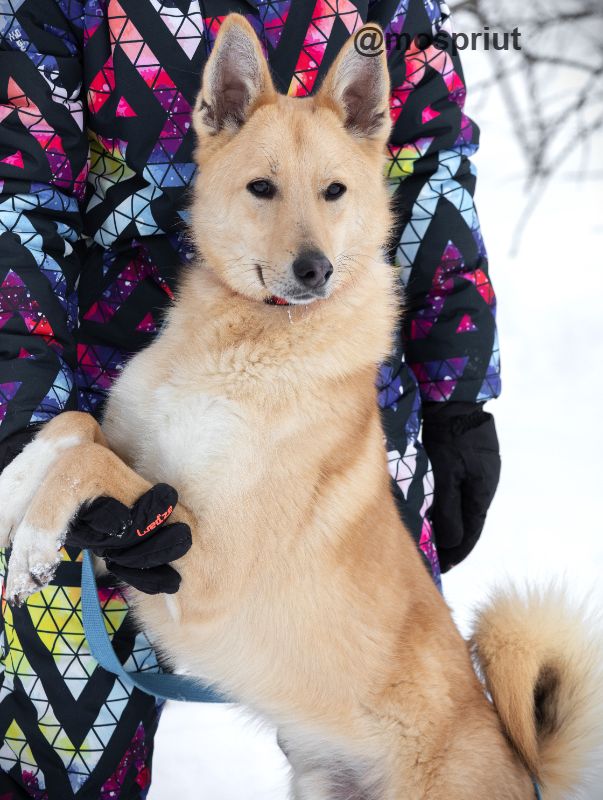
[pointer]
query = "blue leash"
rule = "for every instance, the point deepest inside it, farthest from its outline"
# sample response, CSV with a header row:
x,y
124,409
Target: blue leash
x,y
164,685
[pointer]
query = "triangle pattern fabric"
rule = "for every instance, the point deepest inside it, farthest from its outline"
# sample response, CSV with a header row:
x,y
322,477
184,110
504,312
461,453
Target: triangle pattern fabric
x,y
142,62
274,16
98,367
438,379
186,27
466,325
324,15
58,393
147,324
32,119
14,160
7,392
56,615
403,468
16,298
59,696
124,109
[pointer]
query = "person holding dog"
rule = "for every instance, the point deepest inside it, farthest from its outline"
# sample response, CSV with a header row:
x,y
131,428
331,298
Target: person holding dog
x,y
96,159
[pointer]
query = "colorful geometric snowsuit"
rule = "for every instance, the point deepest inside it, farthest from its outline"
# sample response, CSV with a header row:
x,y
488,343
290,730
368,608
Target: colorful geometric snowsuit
x,y
95,162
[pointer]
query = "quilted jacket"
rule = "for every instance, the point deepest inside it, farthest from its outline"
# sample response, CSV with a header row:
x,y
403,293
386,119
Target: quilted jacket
x,y
95,164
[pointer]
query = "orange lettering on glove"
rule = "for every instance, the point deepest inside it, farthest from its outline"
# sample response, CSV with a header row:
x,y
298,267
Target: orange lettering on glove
x,y
157,521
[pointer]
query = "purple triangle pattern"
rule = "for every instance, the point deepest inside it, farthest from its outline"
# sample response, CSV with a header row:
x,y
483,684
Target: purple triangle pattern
x,y
438,379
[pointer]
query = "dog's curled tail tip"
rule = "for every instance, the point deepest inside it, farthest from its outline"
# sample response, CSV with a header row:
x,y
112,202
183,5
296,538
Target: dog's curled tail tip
x,y
542,662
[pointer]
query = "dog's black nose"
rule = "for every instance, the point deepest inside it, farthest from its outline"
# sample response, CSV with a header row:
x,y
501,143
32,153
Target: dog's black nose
x,y
312,269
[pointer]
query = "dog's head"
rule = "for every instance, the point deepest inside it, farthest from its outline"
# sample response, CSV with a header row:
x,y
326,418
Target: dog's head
x,y
291,202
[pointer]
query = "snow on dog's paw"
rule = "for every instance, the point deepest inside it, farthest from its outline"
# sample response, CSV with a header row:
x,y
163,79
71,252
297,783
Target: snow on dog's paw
x,y
33,562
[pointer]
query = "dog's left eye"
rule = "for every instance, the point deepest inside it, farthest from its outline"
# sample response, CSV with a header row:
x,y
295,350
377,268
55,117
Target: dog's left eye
x,y
262,188
334,191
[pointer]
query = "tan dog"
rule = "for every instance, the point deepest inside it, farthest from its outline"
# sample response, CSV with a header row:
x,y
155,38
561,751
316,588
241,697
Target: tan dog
x,y
303,597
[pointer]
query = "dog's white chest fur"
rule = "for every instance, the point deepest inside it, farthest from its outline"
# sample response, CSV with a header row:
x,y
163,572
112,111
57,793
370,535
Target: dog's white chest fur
x,y
197,434
177,434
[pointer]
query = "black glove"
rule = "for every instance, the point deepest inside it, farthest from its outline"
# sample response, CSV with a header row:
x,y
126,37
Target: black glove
x,y
461,442
135,542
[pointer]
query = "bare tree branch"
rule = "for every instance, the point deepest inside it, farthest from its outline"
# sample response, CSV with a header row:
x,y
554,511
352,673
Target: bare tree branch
x,y
551,88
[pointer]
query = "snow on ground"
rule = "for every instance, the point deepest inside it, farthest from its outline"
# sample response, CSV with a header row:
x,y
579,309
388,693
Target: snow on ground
x,y
546,520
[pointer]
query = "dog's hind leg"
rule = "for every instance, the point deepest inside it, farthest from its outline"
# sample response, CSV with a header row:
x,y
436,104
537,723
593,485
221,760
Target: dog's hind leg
x,y
321,780
81,474
312,785
325,784
20,480
322,783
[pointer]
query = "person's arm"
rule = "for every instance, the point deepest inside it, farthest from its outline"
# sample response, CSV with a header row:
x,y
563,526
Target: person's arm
x,y
449,331
43,164
43,168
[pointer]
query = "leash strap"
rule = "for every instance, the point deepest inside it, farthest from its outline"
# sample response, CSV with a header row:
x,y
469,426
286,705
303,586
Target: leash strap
x,y
537,790
164,685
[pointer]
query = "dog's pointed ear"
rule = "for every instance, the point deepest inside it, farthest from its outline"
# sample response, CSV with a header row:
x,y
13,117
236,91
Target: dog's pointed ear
x,y
357,88
236,79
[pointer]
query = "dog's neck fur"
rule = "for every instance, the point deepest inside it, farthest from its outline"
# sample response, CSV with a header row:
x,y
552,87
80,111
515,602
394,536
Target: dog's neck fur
x,y
237,338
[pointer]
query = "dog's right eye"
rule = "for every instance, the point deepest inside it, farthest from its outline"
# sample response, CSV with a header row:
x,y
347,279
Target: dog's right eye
x,y
262,188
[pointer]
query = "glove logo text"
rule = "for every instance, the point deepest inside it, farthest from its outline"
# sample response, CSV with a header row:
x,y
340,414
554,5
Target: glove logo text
x,y
159,519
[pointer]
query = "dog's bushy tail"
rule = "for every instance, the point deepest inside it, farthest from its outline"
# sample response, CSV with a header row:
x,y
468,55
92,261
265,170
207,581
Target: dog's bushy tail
x,y
543,666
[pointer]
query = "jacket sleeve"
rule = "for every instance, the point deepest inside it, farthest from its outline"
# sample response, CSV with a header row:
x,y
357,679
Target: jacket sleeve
x,y
43,164
449,331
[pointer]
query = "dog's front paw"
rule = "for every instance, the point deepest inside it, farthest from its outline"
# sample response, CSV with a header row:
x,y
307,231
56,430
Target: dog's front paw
x,y
33,562
14,500
19,482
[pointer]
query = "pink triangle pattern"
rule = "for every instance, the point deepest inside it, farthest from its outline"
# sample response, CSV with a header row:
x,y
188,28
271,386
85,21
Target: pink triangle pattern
x,y
16,300
101,86
212,26
45,135
442,286
138,269
451,267
428,114
482,283
97,370
135,759
466,325
124,109
438,379
126,36
417,62
14,160
147,324
427,540
317,36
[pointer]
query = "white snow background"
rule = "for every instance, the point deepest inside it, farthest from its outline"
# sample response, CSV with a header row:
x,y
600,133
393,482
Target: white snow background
x,y
546,519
